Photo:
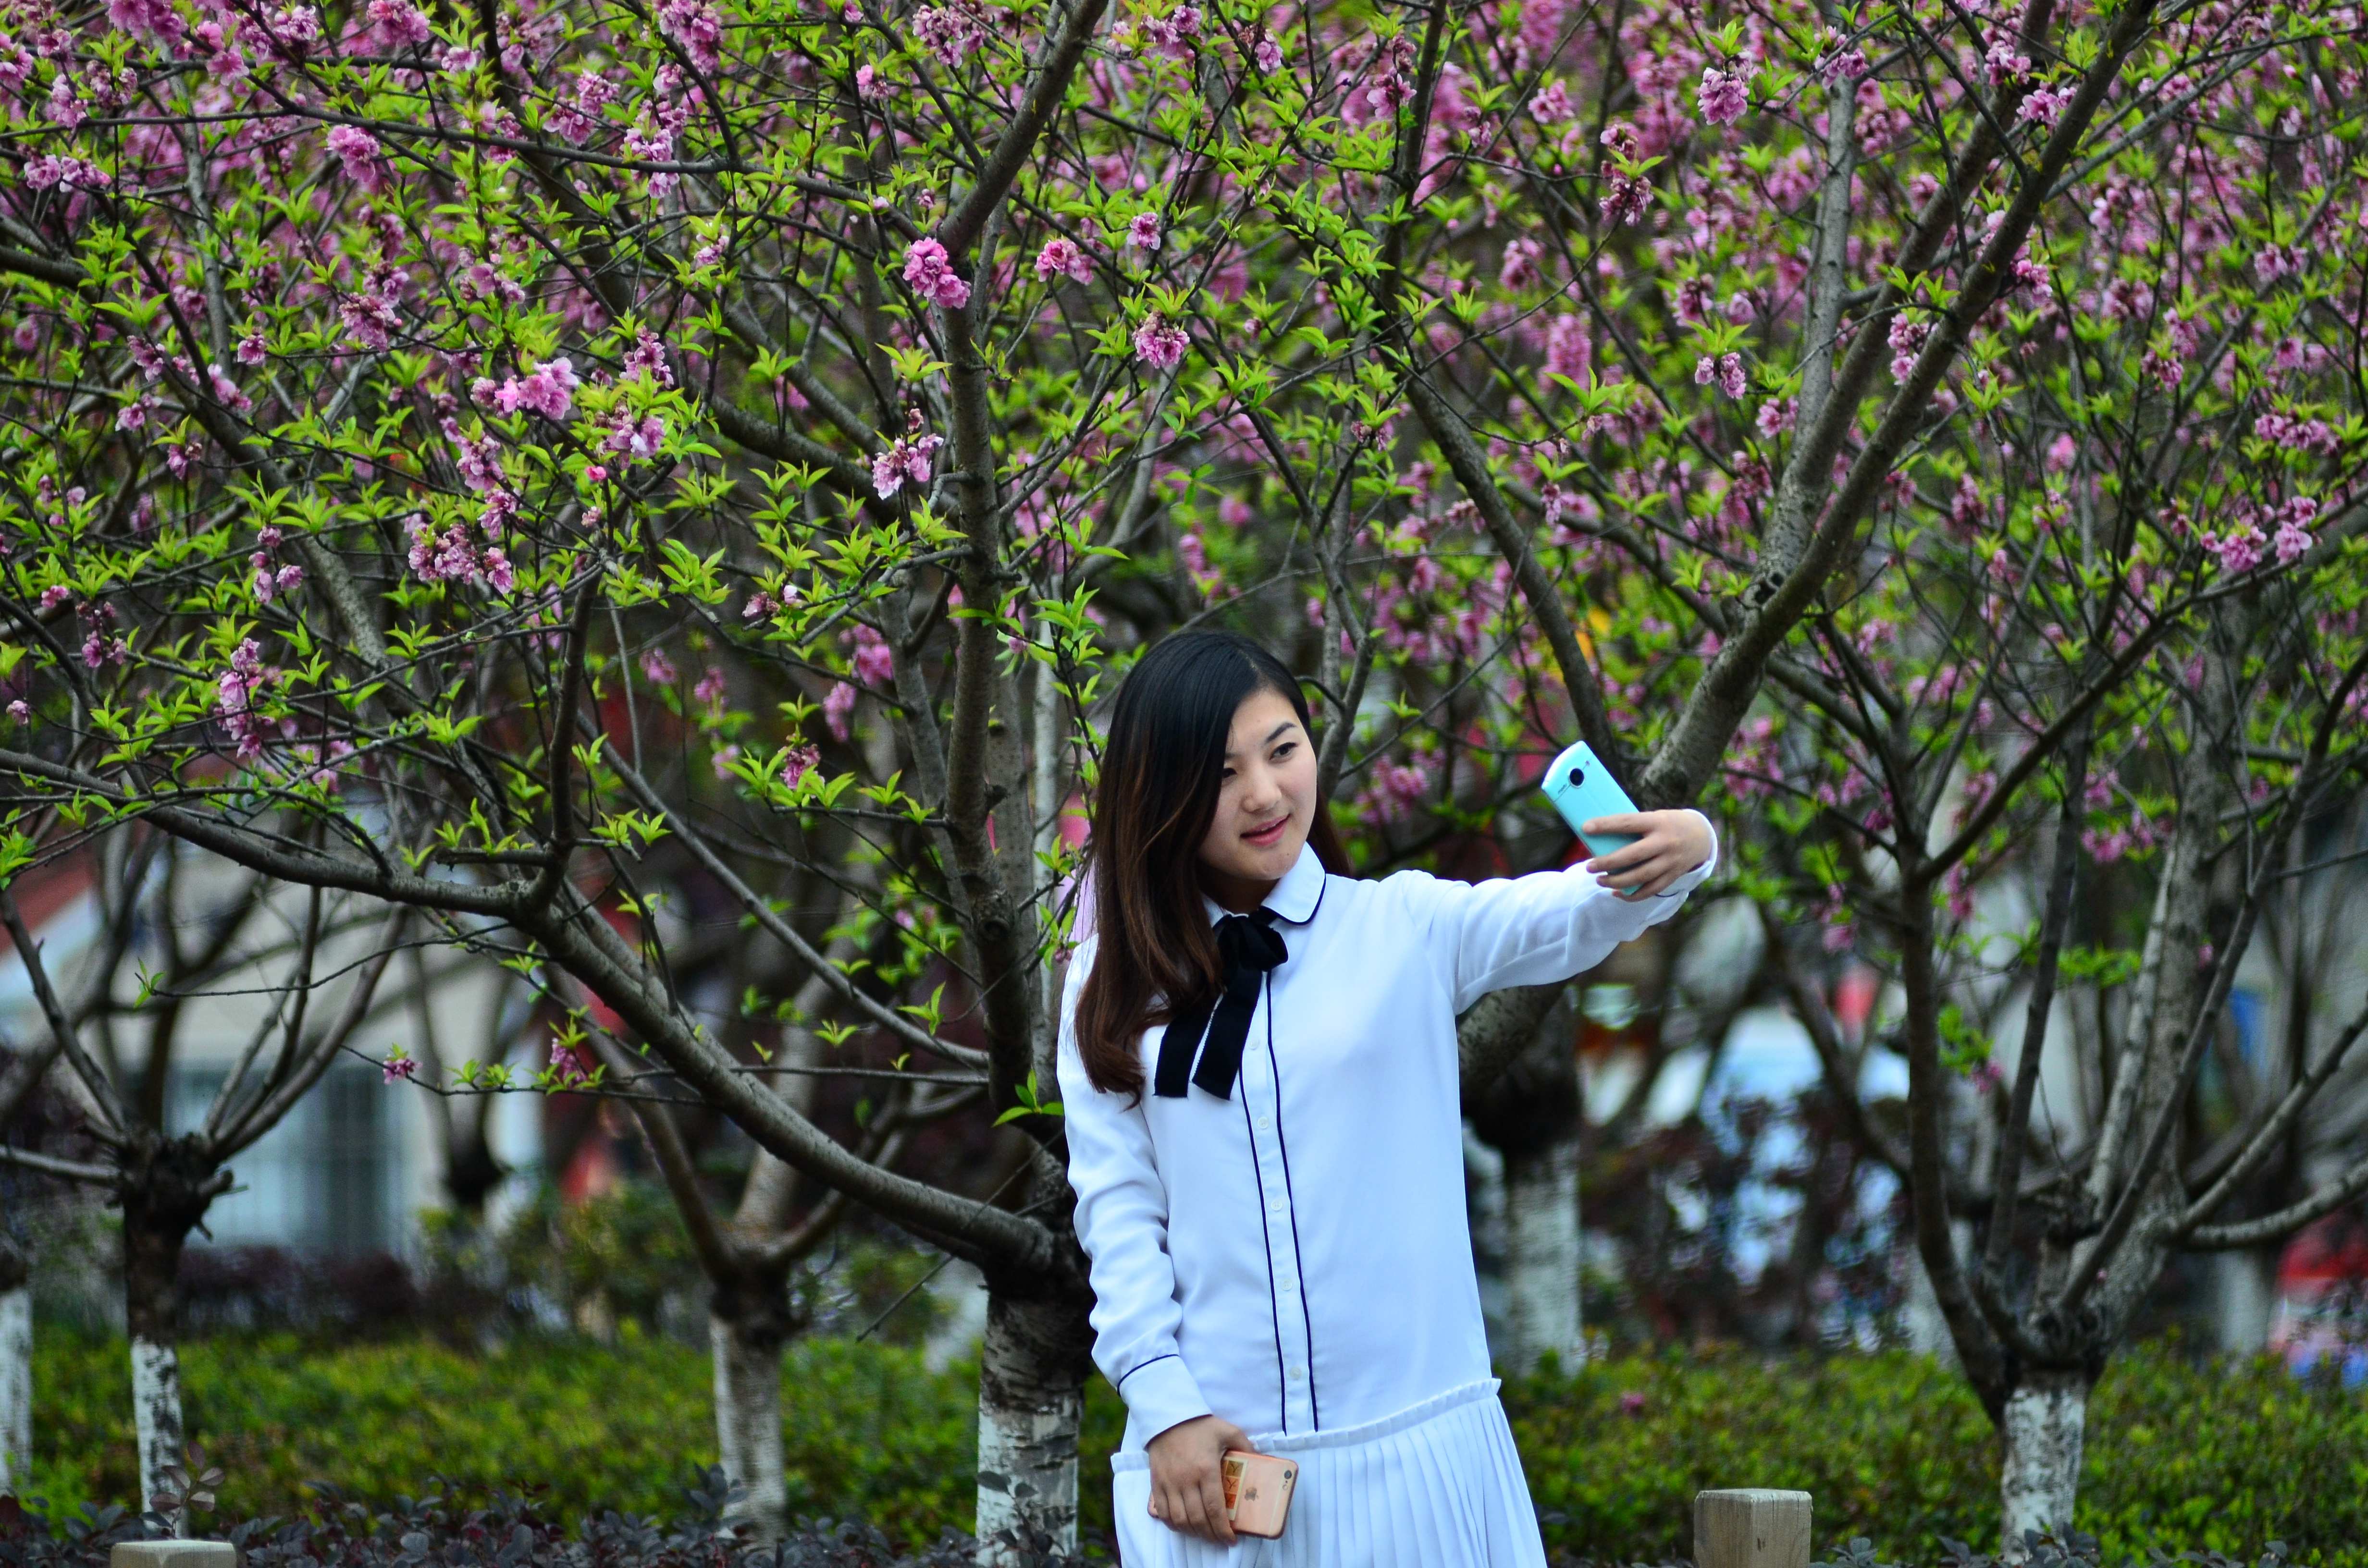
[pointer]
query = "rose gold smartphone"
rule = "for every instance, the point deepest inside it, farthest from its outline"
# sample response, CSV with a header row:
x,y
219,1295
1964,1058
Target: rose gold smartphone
x,y
1257,1491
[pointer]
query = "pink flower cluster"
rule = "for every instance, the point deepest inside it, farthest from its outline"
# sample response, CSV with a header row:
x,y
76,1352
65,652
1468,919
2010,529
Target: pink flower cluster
x,y
931,271
948,32
1065,259
270,583
400,24
1159,344
633,441
696,26
548,389
904,462
1724,97
453,556
234,697
871,659
1726,371
1143,232
71,174
358,150
798,761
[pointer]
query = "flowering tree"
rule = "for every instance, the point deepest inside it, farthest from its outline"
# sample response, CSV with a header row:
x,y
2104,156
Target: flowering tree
x,y
454,454
180,934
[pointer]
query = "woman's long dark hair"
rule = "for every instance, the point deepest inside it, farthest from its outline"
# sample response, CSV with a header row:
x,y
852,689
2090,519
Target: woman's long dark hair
x,y
1162,771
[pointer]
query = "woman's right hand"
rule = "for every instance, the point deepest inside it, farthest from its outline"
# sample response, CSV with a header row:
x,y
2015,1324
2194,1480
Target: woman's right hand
x,y
1188,1480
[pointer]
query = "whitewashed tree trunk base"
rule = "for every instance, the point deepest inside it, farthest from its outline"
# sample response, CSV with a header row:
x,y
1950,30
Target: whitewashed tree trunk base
x,y
2245,1292
1031,1384
2046,1420
749,1427
1542,1257
156,1417
1027,1477
15,1390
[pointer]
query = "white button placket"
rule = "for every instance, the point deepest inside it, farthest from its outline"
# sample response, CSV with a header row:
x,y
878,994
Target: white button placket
x,y
1262,1109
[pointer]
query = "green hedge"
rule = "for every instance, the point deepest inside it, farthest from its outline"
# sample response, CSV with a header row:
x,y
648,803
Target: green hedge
x,y
2180,1456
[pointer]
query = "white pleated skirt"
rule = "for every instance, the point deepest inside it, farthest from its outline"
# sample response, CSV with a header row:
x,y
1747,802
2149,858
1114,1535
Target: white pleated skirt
x,y
1436,1485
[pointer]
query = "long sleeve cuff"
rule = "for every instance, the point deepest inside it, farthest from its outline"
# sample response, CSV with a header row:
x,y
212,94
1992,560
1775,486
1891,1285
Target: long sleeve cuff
x,y
1161,1392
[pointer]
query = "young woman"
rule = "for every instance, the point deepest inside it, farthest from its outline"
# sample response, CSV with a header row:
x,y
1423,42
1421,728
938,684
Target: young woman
x,y
1258,1065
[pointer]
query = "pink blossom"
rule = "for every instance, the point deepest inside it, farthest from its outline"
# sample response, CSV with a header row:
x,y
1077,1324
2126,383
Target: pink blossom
x,y
1726,371
697,26
710,687
1519,268
931,274
1552,107
1268,54
947,32
1064,257
2240,548
1722,97
360,151
548,389
872,662
798,761
904,462
1906,338
71,174
2293,538
154,18
2006,65
1839,64
647,359
1159,345
1569,349
251,349
369,317
657,668
634,441
838,707
22,711
234,695
1142,234
2045,107
1776,416
401,23
1627,200
398,1066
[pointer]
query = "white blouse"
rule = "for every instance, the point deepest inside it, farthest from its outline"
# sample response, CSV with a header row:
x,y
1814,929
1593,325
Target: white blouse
x,y
1296,1257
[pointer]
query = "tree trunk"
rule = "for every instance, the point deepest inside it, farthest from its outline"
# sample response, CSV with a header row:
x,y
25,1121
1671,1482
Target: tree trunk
x,y
2245,1292
165,1191
748,1321
2046,1419
1031,1380
1542,1255
16,1372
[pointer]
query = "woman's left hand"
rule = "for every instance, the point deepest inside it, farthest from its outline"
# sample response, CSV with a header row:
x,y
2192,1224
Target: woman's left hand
x,y
1669,845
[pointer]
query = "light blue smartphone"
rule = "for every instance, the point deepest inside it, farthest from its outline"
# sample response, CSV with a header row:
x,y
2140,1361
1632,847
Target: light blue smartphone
x,y
1582,789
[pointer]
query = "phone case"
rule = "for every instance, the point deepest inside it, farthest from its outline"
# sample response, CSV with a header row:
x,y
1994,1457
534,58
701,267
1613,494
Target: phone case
x,y
1257,1491
1581,789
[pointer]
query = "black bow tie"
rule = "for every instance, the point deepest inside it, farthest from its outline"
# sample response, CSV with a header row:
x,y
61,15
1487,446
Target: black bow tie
x,y
1249,947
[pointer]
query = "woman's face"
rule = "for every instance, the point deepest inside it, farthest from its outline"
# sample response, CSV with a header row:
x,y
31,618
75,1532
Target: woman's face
x,y
1268,800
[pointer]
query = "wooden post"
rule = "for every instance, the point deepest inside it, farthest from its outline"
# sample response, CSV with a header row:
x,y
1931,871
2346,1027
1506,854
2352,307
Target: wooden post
x,y
1751,1528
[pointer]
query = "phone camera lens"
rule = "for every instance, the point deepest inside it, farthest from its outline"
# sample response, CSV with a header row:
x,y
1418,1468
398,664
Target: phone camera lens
x,y
1578,777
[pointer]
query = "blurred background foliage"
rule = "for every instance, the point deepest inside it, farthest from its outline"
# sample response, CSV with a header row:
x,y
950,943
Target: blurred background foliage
x,y
2183,1453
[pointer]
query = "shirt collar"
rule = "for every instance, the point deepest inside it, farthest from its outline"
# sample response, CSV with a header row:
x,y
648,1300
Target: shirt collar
x,y
1294,898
